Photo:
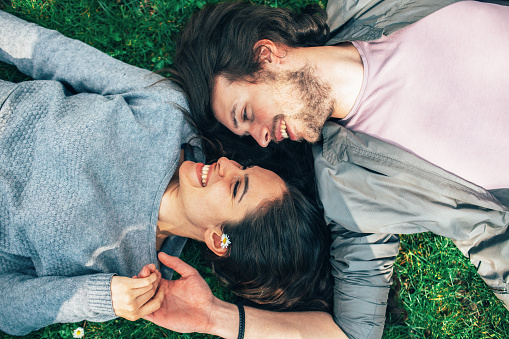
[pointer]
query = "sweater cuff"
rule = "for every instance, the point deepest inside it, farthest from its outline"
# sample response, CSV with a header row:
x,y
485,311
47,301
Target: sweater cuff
x,y
99,294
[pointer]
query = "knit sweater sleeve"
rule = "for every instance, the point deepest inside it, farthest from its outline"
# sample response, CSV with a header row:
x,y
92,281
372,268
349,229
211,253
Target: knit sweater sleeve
x,y
45,54
29,302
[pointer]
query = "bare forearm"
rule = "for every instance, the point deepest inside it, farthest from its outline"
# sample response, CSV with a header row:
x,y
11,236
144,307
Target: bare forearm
x,y
265,324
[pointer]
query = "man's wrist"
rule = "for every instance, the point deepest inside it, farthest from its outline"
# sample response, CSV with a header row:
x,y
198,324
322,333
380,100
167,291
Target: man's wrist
x,y
242,320
224,319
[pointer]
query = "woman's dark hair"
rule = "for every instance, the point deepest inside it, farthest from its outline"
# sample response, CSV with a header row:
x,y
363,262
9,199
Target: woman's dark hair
x,y
279,256
220,39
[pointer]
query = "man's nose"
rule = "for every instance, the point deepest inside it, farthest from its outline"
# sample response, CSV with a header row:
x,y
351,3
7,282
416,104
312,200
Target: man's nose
x,y
261,134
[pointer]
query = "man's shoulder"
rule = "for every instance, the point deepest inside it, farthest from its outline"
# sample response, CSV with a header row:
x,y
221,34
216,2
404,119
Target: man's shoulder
x,y
351,20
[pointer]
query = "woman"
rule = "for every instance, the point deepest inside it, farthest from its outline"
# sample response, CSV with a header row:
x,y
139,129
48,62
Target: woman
x,y
93,184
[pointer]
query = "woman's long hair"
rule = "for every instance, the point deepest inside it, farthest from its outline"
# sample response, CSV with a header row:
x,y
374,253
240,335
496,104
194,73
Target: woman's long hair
x,y
278,258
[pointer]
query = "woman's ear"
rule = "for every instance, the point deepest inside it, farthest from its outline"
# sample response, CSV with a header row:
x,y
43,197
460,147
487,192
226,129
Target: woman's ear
x,y
213,241
267,51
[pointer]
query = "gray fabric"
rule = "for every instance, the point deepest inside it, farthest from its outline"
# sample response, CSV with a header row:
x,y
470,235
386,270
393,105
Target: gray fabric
x,y
86,152
371,189
360,312
366,20
502,195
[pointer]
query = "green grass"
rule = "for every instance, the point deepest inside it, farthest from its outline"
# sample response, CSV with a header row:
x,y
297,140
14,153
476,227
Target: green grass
x,y
440,290
443,295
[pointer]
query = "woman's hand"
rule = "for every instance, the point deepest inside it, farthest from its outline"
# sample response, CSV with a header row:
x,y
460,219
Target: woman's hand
x,y
188,302
134,298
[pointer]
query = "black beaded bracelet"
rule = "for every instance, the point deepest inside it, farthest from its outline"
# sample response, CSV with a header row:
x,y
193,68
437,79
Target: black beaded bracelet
x,y
242,320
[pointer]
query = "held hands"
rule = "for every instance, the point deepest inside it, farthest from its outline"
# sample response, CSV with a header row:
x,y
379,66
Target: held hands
x,y
134,298
188,302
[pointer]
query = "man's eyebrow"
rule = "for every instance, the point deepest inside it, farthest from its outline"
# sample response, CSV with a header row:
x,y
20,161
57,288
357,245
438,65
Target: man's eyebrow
x,y
246,186
232,114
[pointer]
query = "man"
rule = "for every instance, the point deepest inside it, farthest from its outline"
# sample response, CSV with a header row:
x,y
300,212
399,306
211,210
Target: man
x,y
279,88
420,89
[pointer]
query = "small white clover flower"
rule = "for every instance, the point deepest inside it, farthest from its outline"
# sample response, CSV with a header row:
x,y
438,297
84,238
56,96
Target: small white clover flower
x,y
225,241
78,333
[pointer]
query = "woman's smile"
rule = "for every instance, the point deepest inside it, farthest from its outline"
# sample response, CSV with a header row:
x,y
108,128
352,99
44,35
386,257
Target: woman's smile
x,y
204,175
224,190
202,171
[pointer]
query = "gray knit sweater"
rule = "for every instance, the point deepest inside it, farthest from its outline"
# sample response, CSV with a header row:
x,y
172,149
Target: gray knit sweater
x,y
86,152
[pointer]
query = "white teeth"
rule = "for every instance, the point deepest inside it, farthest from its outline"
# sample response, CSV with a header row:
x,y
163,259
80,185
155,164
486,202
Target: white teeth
x,y
204,174
283,130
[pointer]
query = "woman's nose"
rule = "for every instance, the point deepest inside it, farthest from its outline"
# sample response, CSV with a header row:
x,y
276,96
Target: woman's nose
x,y
227,166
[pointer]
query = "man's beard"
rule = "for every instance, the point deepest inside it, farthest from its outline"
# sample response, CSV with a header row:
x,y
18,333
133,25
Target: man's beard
x,y
304,97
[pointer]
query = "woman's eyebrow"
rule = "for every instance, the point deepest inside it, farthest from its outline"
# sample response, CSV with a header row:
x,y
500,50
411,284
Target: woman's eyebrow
x,y
246,186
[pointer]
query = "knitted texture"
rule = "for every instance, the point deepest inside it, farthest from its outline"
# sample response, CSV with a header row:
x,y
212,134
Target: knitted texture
x,y
85,156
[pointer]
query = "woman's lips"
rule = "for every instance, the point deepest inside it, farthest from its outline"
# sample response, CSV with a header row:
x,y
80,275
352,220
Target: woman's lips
x,y
199,168
207,170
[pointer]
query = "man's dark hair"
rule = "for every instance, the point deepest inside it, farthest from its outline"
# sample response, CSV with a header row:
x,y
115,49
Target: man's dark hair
x,y
220,39
279,256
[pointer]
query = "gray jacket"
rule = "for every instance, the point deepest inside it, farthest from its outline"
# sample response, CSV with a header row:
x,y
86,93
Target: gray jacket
x,y
366,20
361,312
86,152
372,190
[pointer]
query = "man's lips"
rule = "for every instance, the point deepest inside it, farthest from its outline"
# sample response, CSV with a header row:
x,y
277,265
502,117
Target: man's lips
x,y
291,136
279,134
279,137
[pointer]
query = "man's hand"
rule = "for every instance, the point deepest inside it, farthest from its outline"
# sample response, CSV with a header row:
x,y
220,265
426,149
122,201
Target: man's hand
x,y
188,302
133,298
190,306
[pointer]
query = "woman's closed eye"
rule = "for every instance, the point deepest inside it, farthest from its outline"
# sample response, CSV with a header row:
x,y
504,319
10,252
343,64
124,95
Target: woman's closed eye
x,y
238,184
236,188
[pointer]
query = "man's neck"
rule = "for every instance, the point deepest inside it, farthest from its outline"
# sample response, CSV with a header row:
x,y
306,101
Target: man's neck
x,y
340,67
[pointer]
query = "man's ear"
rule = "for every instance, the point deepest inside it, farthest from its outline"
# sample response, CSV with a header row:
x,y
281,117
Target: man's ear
x,y
267,51
213,241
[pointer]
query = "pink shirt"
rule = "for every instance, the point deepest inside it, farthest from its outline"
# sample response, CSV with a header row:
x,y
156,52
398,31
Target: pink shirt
x,y
440,89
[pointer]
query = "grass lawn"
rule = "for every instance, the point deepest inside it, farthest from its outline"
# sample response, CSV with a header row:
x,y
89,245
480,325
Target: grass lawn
x,y
440,290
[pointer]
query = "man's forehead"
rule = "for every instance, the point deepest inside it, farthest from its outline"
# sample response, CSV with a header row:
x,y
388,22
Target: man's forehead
x,y
225,79
218,91
220,88
222,80
223,96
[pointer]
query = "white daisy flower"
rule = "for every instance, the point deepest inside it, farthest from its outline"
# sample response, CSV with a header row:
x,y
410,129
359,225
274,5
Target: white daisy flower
x,y
78,333
225,241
